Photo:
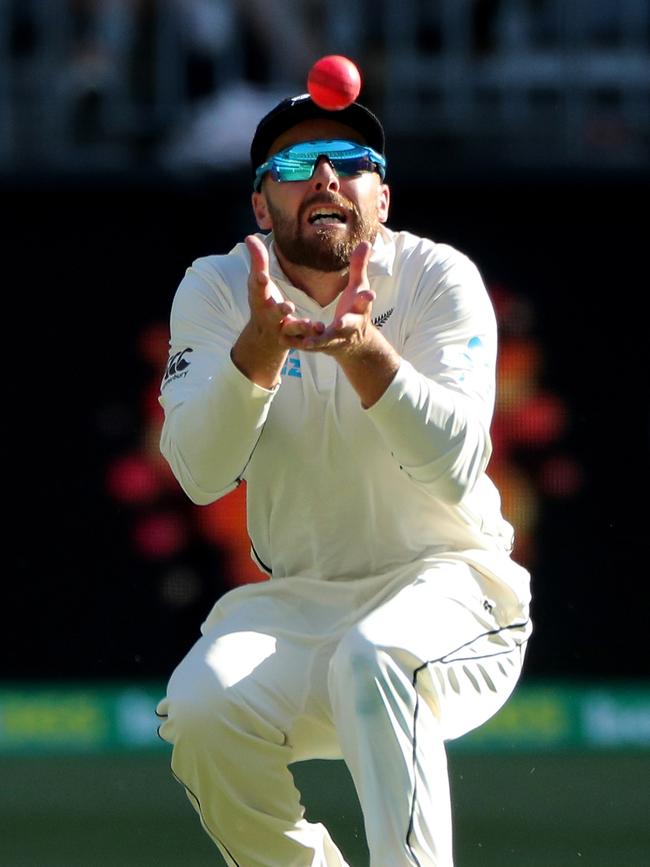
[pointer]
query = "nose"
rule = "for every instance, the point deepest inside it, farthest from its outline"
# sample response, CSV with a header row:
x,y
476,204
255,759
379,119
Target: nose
x,y
324,177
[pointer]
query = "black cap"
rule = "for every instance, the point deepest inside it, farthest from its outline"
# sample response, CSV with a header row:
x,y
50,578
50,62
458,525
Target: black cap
x,y
295,109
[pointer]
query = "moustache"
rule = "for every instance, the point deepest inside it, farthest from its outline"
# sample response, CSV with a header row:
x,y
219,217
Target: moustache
x,y
321,199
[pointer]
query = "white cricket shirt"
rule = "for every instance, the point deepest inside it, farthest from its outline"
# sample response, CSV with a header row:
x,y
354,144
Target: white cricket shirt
x,y
335,491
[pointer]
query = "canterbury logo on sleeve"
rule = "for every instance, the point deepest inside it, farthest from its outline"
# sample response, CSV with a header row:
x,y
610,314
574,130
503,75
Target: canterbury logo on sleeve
x,y
176,366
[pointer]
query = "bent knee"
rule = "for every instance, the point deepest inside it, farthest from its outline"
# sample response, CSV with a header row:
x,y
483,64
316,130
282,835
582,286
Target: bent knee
x,y
355,658
207,686
363,669
196,699
358,655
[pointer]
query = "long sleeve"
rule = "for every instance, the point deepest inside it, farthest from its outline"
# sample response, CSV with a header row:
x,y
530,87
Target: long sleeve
x,y
214,415
436,414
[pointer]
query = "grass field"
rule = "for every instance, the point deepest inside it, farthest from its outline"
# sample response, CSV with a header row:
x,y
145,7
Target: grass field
x,y
124,810
588,810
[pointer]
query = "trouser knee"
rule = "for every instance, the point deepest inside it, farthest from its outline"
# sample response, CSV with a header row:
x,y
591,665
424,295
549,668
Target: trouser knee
x,y
365,671
196,706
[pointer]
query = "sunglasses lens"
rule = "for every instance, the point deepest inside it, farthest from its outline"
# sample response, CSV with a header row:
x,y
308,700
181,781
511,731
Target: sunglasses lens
x,y
291,169
348,166
303,170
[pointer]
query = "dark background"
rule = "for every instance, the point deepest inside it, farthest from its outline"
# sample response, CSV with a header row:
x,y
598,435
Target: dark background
x,y
89,259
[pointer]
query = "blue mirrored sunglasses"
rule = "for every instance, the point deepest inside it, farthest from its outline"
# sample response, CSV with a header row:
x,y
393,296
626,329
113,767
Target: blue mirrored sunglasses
x,y
298,161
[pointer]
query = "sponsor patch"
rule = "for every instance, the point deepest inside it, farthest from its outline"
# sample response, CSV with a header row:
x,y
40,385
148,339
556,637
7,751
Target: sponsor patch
x,y
176,366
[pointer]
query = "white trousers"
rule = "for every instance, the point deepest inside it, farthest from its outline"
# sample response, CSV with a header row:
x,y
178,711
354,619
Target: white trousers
x,y
378,673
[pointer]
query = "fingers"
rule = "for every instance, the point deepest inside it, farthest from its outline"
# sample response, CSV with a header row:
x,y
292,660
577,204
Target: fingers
x,y
287,308
339,334
348,329
296,331
260,282
275,315
361,303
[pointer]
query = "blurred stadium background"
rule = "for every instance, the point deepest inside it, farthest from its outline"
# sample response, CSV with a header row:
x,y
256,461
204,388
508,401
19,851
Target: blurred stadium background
x,y
519,131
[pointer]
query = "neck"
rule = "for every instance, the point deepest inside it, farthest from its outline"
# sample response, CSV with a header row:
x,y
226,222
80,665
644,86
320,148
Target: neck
x,y
322,286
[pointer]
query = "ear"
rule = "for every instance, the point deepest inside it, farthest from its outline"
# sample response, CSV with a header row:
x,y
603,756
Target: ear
x,y
383,202
261,211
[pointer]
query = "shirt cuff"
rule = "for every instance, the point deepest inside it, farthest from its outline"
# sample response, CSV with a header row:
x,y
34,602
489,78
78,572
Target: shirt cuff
x,y
404,381
245,386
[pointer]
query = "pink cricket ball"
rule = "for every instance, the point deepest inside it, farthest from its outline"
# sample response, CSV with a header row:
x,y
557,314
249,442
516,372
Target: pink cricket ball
x,y
334,82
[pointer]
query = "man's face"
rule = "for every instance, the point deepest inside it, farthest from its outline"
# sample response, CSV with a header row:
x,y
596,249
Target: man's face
x,y
319,222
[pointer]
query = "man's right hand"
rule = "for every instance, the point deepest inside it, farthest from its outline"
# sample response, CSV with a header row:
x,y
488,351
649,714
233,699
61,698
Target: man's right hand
x,y
267,304
258,352
261,349
269,307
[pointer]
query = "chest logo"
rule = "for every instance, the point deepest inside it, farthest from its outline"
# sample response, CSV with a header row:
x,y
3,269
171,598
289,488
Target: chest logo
x,y
381,320
291,366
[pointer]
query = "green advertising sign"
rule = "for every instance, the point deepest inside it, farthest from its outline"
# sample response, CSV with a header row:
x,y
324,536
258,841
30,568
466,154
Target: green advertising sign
x,y
120,717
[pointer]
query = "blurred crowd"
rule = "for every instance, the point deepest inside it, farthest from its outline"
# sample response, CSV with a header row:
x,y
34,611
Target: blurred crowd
x,y
178,80
183,81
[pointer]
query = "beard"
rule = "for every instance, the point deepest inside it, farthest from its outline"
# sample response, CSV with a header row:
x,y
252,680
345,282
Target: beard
x,y
325,250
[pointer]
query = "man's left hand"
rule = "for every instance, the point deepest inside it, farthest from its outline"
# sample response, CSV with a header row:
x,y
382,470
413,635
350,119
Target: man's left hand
x,y
352,318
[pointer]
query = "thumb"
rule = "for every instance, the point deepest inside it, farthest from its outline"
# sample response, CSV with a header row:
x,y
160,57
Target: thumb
x,y
259,256
259,281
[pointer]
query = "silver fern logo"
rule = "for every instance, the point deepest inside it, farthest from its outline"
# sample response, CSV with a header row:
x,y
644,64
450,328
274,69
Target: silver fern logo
x,y
382,319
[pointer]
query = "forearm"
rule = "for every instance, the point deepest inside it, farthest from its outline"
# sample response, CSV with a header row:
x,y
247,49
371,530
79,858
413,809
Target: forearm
x,y
371,367
259,359
438,435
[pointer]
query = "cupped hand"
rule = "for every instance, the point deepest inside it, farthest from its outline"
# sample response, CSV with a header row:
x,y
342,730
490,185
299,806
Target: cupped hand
x,y
270,311
266,302
352,316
